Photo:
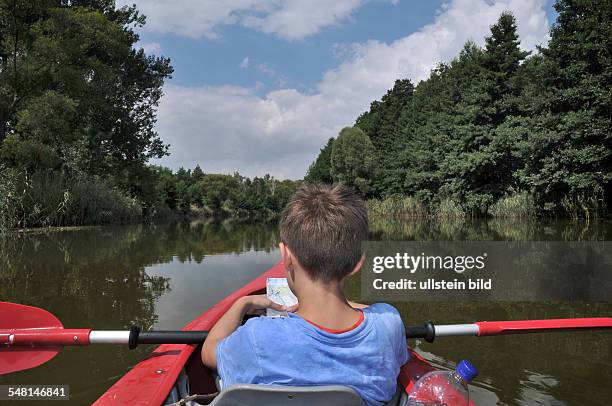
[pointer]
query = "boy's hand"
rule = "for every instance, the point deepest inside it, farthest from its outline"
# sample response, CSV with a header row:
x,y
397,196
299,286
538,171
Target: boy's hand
x,y
257,305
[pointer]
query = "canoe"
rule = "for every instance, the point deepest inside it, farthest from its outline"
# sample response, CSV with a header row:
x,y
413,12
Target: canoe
x,y
159,377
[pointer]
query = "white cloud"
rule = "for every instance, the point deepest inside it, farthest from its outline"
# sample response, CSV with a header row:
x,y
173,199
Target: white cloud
x,y
289,19
191,18
263,68
152,48
294,19
245,63
228,128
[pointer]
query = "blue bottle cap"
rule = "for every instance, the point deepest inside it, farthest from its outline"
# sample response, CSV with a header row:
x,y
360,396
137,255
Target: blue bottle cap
x,y
466,370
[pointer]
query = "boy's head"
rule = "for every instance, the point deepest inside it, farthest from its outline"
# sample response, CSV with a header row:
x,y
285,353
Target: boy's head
x,y
323,226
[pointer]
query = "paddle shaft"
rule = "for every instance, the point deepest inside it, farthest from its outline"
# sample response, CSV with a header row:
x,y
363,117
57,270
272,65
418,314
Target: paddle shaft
x,y
428,331
41,337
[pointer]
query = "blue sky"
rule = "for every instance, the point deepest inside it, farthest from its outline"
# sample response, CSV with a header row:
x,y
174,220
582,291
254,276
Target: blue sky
x,y
259,85
300,62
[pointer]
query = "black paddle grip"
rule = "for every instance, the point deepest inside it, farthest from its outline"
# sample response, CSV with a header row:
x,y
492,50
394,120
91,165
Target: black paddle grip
x,y
165,337
427,331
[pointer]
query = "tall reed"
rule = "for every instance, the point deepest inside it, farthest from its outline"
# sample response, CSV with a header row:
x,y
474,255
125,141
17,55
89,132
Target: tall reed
x,y
397,207
449,208
518,205
585,205
51,198
10,199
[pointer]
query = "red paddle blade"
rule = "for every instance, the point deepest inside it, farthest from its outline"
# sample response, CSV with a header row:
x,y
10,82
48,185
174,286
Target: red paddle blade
x,y
15,316
17,359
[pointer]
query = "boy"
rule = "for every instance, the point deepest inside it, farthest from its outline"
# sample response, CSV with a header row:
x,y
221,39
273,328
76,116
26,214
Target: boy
x,y
327,340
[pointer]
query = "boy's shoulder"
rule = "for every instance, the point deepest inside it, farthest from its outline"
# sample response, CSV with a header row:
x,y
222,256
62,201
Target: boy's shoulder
x,y
386,314
255,330
382,308
265,328
262,325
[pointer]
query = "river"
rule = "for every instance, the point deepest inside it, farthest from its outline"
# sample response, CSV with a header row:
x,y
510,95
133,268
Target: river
x,y
163,276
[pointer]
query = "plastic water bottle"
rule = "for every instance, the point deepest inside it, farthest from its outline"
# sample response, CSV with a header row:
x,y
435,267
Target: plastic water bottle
x,y
444,388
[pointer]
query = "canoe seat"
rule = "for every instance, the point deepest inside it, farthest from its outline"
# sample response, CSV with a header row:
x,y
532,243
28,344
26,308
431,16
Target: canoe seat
x,y
250,394
329,395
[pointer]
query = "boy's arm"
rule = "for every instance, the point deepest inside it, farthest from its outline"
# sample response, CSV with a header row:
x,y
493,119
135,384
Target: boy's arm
x,y
231,320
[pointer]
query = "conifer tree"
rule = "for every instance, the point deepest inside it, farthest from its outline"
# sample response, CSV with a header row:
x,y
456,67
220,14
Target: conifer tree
x,y
571,149
382,125
483,171
320,169
495,121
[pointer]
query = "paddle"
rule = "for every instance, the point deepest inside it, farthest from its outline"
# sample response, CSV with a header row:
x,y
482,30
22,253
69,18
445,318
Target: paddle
x,y
30,336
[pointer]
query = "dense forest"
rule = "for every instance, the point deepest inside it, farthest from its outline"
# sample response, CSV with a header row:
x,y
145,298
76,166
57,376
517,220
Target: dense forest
x,y
78,102
496,131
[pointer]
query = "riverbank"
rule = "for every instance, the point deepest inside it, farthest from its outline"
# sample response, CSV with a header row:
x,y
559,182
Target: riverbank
x,y
385,216
54,198
516,206
49,199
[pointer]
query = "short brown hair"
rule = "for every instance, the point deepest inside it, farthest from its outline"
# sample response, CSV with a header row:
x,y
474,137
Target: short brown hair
x,y
324,226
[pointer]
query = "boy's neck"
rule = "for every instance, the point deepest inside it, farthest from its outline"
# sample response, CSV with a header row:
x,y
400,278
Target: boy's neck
x,y
325,304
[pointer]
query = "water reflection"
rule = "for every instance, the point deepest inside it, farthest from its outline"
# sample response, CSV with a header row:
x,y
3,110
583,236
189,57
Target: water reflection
x,y
196,288
163,276
489,230
546,369
111,278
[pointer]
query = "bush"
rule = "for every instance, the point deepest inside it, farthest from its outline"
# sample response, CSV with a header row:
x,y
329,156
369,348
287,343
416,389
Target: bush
x,y
352,160
402,207
519,205
92,201
9,199
51,198
584,205
449,208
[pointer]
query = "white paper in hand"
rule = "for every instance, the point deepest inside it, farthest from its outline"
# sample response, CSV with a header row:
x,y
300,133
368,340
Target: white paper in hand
x,y
278,291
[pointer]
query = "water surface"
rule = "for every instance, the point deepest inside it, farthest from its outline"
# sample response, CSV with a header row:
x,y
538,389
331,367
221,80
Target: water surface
x,y
164,276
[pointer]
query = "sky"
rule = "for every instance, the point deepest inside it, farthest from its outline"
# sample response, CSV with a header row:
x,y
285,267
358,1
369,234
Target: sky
x,y
260,85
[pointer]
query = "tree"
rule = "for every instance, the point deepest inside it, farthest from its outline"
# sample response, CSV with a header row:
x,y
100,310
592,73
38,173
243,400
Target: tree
x,y
482,170
502,58
495,122
184,175
217,189
166,187
28,154
77,59
320,169
382,125
352,159
197,173
570,151
436,126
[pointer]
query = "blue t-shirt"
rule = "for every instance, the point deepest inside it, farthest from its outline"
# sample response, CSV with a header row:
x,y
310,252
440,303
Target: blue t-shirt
x,y
291,351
